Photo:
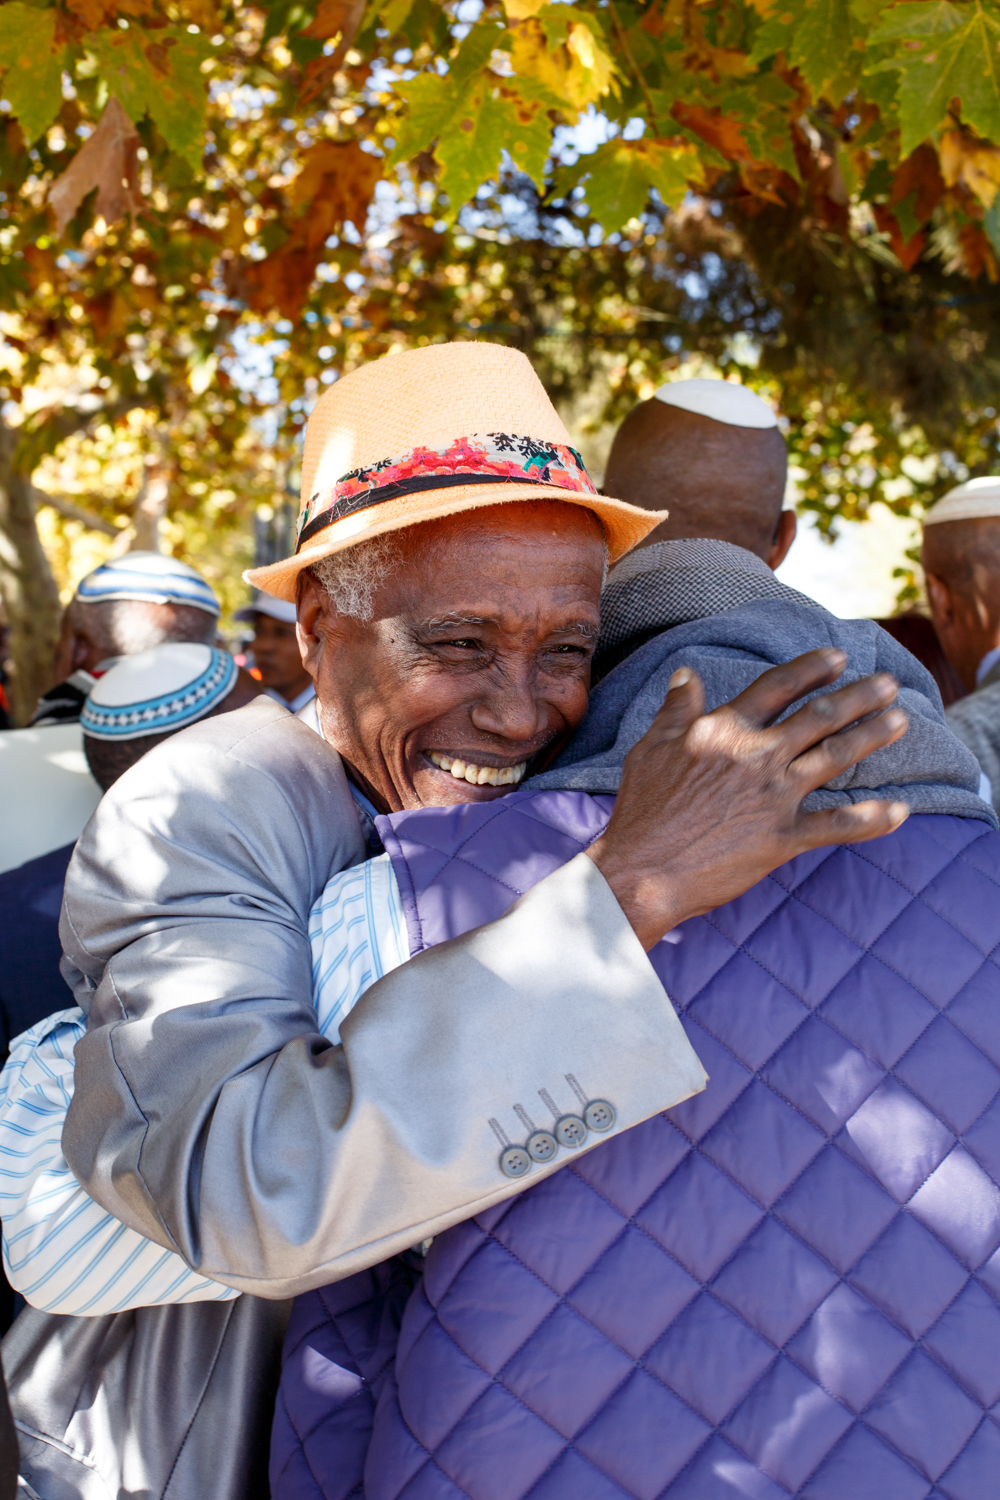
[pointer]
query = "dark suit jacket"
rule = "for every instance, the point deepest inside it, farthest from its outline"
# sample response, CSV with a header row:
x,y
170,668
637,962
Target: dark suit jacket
x,y
31,986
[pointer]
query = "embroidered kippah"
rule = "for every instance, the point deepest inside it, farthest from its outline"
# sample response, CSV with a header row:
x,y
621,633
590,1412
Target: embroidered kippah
x,y
158,691
151,577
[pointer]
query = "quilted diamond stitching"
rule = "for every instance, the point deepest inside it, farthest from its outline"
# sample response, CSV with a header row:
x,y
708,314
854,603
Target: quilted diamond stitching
x,y
919,1197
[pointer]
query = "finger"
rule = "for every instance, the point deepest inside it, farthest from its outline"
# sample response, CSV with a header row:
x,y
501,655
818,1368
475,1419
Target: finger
x,y
684,703
831,712
778,687
850,824
840,751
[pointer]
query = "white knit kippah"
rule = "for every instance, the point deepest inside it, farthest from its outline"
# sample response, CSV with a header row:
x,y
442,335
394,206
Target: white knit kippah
x,y
158,690
736,405
975,500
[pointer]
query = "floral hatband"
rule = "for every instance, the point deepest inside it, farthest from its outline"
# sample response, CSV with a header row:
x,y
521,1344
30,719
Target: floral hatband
x,y
484,458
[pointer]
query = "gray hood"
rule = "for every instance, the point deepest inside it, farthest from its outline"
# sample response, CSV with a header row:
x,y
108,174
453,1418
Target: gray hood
x,y
720,610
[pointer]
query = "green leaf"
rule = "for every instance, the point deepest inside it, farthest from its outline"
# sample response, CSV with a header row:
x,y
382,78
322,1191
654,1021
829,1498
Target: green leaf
x,y
621,175
469,151
774,36
917,18
906,217
181,99
474,53
394,15
527,135
159,73
991,223
965,63
821,49
433,103
33,85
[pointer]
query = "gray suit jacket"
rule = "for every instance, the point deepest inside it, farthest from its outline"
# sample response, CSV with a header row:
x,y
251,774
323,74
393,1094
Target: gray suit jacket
x,y
211,1115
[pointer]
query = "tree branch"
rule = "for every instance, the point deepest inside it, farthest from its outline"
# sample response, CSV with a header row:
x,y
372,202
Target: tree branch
x,y
74,512
640,77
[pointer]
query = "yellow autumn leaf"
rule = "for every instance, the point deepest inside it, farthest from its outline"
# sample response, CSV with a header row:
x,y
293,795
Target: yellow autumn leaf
x,y
520,10
973,162
590,73
531,57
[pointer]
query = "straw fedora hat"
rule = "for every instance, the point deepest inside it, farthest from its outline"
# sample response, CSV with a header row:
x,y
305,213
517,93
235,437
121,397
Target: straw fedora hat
x,y
428,433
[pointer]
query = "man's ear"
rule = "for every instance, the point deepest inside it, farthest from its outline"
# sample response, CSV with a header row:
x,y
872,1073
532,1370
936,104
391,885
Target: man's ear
x,y
784,536
941,599
313,603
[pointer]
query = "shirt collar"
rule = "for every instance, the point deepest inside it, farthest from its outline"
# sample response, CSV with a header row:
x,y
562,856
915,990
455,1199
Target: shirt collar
x,y
987,664
292,704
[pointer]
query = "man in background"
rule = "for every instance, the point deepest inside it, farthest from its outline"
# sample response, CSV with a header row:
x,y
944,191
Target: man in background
x,y
128,604
276,654
711,453
961,559
205,682
200,682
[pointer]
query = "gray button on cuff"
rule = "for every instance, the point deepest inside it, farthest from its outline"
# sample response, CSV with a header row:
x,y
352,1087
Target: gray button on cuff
x,y
599,1115
542,1146
571,1131
515,1162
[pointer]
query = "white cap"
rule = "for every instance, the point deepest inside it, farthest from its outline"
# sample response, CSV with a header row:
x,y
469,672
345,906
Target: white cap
x,y
158,690
266,604
150,577
722,400
975,500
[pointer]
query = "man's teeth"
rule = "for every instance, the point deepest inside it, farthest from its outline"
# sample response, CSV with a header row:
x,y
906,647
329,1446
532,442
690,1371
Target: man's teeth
x,y
464,770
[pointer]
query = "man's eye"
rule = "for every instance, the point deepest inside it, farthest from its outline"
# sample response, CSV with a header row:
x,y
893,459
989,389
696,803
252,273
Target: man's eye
x,y
466,642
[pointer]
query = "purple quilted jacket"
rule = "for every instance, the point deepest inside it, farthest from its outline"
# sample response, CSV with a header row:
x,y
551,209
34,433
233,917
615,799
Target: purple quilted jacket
x,y
787,1286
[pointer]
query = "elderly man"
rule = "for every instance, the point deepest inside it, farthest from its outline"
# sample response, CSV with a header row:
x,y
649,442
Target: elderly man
x,y
210,1115
961,558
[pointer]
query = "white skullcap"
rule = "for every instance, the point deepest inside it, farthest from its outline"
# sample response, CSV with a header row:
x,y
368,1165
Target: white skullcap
x,y
736,405
150,577
266,604
162,689
975,500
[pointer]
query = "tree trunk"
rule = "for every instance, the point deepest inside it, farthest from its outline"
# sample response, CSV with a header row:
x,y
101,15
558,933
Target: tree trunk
x,y
151,506
27,588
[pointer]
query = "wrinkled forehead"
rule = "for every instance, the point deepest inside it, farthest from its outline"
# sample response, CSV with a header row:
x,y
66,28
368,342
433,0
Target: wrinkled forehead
x,y
537,560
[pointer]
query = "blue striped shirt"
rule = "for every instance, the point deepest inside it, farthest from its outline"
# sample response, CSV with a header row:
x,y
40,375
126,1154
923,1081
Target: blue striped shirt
x,y
61,1250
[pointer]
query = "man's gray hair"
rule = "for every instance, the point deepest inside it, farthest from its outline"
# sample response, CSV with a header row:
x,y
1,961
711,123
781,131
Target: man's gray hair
x,y
352,577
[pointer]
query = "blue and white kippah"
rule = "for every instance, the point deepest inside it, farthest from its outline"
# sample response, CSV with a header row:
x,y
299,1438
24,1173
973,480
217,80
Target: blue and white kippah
x,y
158,691
151,577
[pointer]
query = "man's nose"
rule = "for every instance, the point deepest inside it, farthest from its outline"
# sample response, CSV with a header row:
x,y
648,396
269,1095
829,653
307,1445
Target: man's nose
x,y
511,711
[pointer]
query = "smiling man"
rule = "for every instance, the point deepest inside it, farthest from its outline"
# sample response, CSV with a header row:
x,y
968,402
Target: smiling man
x,y
400,695
450,559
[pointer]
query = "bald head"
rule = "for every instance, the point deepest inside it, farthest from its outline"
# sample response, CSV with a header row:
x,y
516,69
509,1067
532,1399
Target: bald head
x,y
716,479
961,562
